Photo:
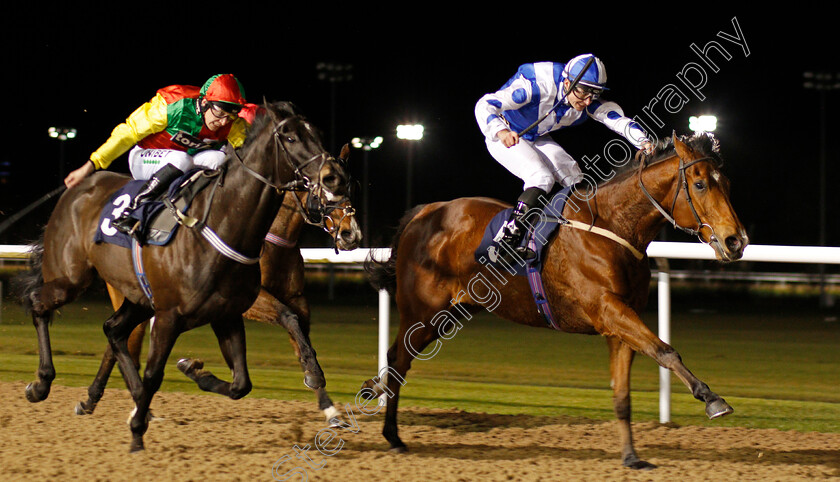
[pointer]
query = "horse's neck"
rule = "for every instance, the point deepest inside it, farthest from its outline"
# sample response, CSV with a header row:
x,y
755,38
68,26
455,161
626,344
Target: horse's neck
x,y
243,210
289,221
625,210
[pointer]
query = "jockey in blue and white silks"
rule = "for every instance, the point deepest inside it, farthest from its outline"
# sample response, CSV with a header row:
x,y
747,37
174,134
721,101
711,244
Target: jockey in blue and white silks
x,y
541,91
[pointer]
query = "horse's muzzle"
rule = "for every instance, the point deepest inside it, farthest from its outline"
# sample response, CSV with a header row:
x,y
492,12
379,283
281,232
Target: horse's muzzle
x,y
732,247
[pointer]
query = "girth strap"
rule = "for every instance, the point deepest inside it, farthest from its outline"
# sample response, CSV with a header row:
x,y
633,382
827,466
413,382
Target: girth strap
x,y
538,291
139,271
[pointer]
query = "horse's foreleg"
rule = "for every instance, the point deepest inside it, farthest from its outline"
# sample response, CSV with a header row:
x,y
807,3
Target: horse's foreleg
x,y
621,321
621,359
97,387
411,340
231,336
296,319
716,406
117,329
162,339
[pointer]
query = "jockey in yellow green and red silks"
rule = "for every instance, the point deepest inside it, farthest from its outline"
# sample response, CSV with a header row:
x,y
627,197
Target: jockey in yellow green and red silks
x,y
181,127
174,119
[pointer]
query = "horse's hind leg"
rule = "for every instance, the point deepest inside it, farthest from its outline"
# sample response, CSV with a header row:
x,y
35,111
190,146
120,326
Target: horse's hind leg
x,y
231,336
43,300
39,390
621,358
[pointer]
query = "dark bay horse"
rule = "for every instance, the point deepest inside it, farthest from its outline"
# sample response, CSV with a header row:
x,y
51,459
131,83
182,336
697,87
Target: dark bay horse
x,y
594,284
281,300
192,283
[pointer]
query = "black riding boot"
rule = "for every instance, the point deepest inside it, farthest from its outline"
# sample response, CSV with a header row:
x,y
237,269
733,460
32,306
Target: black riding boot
x,y
516,227
154,187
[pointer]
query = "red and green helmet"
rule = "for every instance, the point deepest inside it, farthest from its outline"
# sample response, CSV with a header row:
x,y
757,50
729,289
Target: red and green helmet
x,y
225,91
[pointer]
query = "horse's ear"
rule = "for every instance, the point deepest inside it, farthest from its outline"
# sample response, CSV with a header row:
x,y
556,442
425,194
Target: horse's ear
x,y
270,111
683,150
344,156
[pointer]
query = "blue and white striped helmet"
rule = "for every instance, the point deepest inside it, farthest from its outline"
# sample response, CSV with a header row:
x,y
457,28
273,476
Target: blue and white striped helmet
x,y
595,76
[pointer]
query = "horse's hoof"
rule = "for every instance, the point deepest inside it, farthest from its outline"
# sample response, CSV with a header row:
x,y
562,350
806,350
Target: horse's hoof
x,y
370,389
81,410
33,397
187,365
314,382
399,449
334,422
637,464
136,446
718,408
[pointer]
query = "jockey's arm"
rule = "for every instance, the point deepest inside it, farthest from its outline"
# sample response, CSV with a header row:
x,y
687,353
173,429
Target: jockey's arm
x,y
489,109
148,119
612,116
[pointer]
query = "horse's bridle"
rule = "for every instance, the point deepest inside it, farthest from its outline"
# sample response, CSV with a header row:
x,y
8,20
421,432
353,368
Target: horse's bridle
x,y
315,210
300,183
683,185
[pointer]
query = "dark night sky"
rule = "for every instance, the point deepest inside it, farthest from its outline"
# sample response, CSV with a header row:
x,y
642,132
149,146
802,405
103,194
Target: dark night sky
x,y
89,70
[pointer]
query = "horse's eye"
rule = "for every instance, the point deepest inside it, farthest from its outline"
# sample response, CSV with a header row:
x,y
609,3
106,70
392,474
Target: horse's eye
x,y
290,139
700,185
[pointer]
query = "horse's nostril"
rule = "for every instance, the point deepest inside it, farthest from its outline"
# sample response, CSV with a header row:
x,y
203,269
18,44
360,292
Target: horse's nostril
x,y
734,243
346,234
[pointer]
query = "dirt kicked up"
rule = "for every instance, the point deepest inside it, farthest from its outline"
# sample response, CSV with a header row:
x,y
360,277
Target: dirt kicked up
x,y
214,438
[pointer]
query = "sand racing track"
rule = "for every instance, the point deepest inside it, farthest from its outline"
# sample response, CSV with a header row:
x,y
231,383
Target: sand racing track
x,y
206,437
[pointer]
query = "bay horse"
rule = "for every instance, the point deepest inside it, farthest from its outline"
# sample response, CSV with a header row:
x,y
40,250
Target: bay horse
x,y
596,280
281,301
190,283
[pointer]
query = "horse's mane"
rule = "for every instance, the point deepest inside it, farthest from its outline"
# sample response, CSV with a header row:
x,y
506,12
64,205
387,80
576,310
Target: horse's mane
x,y
703,143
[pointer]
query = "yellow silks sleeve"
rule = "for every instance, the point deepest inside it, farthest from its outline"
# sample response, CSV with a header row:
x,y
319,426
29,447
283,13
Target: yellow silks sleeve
x,y
148,119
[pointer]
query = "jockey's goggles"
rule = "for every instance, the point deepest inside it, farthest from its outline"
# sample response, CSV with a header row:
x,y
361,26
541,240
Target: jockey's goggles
x,y
225,109
584,92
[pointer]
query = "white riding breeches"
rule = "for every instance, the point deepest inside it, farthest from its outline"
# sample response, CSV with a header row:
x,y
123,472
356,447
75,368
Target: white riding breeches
x,y
144,162
539,163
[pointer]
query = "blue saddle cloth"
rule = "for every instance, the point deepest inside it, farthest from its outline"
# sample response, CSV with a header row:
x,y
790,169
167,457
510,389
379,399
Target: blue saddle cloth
x,y
145,213
489,251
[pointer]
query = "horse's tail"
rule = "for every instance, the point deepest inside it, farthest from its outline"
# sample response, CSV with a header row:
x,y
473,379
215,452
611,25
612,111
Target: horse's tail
x,y
383,274
25,284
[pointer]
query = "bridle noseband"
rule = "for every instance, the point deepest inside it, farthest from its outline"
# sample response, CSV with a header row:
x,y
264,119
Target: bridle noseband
x,y
683,185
